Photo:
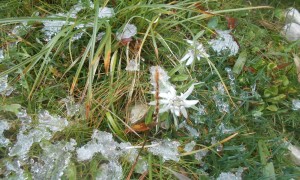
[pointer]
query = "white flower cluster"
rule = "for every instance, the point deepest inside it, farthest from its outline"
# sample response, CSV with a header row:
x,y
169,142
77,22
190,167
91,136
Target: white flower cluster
x,y
195,51
169,100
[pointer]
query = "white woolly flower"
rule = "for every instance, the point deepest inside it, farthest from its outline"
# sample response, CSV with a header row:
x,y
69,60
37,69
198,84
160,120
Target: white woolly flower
x,y
106,12
128,31
195,51
224,42
176,104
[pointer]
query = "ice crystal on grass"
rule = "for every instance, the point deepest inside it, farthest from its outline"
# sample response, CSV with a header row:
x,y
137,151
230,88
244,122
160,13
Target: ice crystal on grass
x,y
48,125
221,104
201,154
296,104
141,166
128,31
231,176
3,126
225,130
106,12
72,107
165,148
192,131
54,160
224,43
232,80
132,66
5,88
189,146
195,51
16,167
109,171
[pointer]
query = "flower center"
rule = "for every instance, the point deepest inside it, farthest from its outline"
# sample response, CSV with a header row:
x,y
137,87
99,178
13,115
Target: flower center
x,y
176,102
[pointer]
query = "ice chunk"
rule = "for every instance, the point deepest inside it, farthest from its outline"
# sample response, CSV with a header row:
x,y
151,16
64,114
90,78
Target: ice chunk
x,y
72,107
132,66
221,104
109,171
166,148
128,31
54,160
15,166
232,80
296,104
231,176
292,15
18,29
225,130
106,12
129,154
141,166
77,36
3,126
48,125
3,83
291,32
189,146
1,55
52,27
201,154
224,43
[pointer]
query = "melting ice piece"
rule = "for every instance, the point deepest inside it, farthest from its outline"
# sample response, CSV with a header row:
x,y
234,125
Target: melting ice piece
x,y
232,80
48,125
193,132
52,27
106,12
77,36
189,146
3,83
72,107
128,31
54,160
292,15
291,31
221,104
3,126
141,166
165,148
111,170
225,130
18,29
224,43
15,166
231,176
102,142
201,154
129,154
296,104
132,66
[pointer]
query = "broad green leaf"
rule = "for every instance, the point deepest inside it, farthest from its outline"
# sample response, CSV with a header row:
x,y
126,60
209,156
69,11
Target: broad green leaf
x,y
240,62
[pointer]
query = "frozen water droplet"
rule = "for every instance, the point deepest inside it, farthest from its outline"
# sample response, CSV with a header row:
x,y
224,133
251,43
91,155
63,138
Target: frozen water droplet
x,y
219,148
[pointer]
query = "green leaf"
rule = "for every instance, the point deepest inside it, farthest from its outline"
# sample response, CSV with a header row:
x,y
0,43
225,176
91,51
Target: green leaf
x,y
240,62
272,108
213,22
181,77
271,91
11,108
268,168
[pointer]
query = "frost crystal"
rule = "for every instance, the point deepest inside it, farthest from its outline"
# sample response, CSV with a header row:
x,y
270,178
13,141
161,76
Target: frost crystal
x,y
132,66
232,80
72,107
296,104
128,31
111,170
106,12
231,176
3,126
195,51
44,130
54,161
189,146
221,104
224,43
166,148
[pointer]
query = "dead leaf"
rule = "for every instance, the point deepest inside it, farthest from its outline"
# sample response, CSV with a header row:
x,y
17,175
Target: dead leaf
x,y
297,63
125,41
141,127
231,22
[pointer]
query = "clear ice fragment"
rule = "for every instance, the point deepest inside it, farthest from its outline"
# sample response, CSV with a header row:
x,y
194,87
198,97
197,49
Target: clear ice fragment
x,y
225,130
225,43
3,126
296,104
231,176
221,104
189,146
201,154
128,31
232,80
106,12
166,148
72,107
109,171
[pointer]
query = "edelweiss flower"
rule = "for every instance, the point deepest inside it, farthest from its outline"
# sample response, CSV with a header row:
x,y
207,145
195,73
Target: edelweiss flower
x,y
176,104
191,54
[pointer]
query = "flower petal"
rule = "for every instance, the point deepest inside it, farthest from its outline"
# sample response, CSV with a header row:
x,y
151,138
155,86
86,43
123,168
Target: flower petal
x,y
183,111
185,57
153,103
190,60
187,93
189,103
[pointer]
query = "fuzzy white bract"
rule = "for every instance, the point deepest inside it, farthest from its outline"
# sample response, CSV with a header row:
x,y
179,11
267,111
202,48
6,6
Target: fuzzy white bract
x,y
170,101
196,51
224,43
128,31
